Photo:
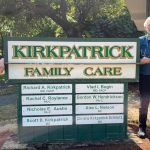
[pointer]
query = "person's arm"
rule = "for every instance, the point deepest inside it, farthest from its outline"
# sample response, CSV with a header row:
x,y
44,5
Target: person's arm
x,y
2,66
144,60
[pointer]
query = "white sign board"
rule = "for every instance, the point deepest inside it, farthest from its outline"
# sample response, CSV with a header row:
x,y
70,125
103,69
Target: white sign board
x,y
100,88
47,121
99,119
71,52
45,88
99,108
46,99
99,98
69,71
72,59
46,110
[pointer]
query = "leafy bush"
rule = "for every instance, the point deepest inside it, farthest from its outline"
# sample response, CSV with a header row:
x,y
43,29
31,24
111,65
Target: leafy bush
x,y
114,26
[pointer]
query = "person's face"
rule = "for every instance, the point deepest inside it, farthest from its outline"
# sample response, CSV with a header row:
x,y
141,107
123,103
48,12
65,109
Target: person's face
x,y
148,27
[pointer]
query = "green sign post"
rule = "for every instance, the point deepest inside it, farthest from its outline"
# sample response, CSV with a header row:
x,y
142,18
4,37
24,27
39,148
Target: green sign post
x,y
72,89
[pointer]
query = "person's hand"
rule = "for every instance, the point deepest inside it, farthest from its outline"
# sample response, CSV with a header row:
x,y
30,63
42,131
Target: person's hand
x,y
145,60
2,67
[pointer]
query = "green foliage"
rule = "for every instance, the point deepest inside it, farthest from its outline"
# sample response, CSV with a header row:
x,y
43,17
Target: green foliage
x,y
114,22
66,18
8,112
2,77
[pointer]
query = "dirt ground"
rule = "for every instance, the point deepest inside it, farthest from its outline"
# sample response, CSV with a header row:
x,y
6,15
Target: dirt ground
x,y
3,137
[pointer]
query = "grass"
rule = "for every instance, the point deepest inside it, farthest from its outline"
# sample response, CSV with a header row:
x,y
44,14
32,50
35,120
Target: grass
x,y
2,77
8,89
8,112
5,88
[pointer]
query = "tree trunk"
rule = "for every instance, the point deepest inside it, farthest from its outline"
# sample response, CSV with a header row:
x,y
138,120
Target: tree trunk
x,y
73,32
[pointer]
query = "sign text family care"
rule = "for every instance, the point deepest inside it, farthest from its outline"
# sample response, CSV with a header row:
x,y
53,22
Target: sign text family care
x,y
71,59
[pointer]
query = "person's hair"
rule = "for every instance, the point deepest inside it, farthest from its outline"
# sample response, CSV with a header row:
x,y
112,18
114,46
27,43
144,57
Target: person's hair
x,y
145,23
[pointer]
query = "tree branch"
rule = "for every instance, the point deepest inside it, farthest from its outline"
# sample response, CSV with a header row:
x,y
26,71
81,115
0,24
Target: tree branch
x,y
43,10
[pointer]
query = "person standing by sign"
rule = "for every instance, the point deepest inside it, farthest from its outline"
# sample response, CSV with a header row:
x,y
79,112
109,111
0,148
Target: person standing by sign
x,y
144,81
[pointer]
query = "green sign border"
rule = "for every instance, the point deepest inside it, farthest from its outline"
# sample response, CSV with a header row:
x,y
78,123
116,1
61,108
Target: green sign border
x,y
14,81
